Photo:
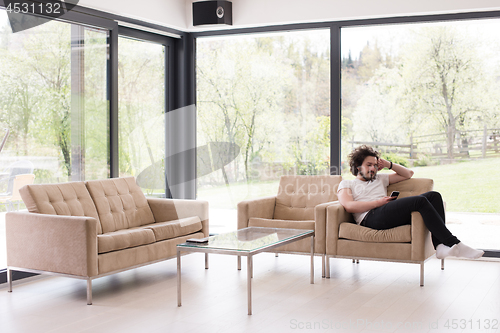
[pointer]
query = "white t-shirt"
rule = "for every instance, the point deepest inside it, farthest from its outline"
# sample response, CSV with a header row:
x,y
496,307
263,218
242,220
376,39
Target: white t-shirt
x,y
366,191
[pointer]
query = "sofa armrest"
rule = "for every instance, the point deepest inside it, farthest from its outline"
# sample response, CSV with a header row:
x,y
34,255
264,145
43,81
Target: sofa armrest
x,y
320,225
52,243
261,207
421,243
335,215
173,209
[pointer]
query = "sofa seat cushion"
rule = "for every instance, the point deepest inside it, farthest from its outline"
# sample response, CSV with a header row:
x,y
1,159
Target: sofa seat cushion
x,y
123,239
176,228
401,234
286,224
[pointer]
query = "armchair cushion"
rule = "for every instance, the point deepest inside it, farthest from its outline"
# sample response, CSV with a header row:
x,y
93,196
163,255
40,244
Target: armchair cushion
x,y
386,251
401,234
411,187
287,224
298,195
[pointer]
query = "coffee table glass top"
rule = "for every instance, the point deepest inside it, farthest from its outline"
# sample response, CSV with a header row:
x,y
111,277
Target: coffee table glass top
x,y
249,239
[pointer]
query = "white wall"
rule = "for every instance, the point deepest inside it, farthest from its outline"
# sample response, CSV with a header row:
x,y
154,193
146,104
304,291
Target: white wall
x,y
251,13
169,13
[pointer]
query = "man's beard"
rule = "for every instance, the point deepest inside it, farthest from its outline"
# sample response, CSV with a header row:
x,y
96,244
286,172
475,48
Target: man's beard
x,y
369,179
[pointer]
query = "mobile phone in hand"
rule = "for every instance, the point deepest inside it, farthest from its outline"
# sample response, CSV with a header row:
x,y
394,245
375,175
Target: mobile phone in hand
x,y
395,194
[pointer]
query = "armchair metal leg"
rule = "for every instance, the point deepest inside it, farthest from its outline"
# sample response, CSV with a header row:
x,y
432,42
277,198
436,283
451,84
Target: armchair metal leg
x,y
442,264
89,292
421,274
206,260
327,266
9,280
276,254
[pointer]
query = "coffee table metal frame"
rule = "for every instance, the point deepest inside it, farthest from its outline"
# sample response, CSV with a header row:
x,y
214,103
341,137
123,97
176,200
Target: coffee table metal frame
x,y
193,247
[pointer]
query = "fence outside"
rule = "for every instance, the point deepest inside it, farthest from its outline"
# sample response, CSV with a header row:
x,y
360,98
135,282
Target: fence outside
x,y
470,144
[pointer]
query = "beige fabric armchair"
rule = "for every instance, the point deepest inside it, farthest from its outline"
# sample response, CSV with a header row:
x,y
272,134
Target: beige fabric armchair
x,y
301,203
408,243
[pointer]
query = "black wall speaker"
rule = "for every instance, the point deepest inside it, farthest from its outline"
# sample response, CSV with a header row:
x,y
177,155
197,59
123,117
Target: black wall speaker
x,y
212,12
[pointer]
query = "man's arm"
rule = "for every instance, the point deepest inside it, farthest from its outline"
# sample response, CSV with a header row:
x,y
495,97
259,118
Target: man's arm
x,y
351,206
401,173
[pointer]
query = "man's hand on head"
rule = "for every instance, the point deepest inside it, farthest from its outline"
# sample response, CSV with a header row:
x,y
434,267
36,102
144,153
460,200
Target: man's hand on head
x,y
381,163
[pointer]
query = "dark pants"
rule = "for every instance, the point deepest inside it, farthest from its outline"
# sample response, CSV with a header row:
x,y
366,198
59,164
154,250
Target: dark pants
x,y
398,212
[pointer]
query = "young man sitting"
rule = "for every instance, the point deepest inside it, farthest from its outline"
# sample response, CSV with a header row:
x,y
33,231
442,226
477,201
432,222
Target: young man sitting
x,y
366,198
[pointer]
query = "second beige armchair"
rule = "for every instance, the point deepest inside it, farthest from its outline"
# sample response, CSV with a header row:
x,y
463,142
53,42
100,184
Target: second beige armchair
x,y
301,203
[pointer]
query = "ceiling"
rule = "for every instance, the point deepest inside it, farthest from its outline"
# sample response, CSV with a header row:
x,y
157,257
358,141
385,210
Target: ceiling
x,y
177,14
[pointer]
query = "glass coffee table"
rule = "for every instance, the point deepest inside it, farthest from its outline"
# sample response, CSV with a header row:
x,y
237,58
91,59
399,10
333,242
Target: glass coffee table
x,y
245,242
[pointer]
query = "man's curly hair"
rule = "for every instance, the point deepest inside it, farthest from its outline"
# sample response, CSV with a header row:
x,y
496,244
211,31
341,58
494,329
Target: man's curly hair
x,y
358,155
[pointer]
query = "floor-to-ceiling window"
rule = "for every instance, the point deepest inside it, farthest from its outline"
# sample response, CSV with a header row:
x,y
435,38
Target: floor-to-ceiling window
x,y
263,110
427,95
141,117
53,102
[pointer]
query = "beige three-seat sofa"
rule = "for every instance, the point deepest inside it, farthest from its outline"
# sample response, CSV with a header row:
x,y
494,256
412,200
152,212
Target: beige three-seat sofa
x,y
91,229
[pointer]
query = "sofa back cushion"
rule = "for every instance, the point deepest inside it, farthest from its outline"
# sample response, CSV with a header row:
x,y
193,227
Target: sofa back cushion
x,y
412,186
70,199
120,203
298,195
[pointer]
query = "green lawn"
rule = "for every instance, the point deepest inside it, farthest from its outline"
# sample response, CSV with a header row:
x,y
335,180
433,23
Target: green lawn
x,y
469,186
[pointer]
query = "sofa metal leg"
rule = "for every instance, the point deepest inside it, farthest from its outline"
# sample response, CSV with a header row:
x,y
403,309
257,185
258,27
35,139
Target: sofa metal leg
x,y
206,260
421,274
327,266
276,254
442,264
9,280
89,292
